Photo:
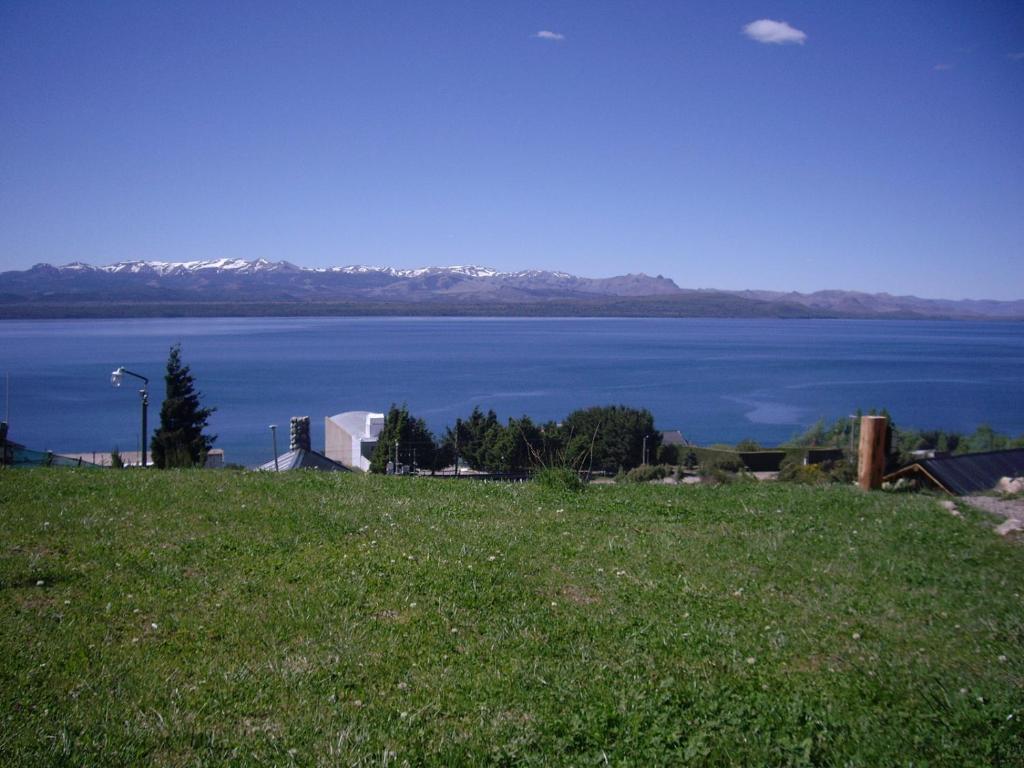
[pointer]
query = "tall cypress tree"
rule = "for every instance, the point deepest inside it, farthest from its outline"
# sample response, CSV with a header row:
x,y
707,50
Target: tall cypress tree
x,y
180,442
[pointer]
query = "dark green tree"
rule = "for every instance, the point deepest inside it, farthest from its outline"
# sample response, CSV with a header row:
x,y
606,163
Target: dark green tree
x,y
475,440
415,443
609,437
180,441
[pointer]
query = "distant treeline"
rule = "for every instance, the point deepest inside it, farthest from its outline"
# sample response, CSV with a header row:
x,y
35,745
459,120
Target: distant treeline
x,y
905,440
618,438
604,439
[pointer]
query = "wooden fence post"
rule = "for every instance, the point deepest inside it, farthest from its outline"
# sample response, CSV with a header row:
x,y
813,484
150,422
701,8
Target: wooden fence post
x,y
871,453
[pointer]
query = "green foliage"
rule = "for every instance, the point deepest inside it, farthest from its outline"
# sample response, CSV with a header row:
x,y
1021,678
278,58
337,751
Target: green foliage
x,y
180,441
415,443
725,463
748,444
559,479
645,473
608,437
793,470
116,462
213,618
472,440
668,454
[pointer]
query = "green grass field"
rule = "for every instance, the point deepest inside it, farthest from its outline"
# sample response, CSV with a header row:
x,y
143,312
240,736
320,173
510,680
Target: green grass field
x,y
196,618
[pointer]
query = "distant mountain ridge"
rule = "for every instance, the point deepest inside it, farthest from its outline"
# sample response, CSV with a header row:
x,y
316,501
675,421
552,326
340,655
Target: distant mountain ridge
x,y
262,287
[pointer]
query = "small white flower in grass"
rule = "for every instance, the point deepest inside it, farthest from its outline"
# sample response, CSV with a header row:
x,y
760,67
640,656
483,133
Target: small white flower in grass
x,y
963,691
40,583
135,639
492,558
403,715
600,570
1002,657
856,635
412,605
554,604
620,573
455,631
402,686
751,659
154,625
981,699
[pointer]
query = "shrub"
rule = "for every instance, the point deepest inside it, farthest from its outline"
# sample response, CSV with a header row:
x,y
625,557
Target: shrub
x,y
559,479
795,471
645,474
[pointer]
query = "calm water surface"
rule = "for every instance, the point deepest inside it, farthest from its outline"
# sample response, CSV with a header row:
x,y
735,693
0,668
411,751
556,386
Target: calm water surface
x,y
715,380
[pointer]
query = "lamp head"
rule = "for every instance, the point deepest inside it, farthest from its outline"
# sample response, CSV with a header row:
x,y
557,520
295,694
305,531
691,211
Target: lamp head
x,y
117,377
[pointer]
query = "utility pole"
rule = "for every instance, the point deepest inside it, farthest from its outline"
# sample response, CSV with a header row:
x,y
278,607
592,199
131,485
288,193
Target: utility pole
x,y
643,457
396,457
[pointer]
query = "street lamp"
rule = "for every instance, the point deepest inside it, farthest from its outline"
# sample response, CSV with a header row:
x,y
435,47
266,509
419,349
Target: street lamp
x,y
273,436
116,379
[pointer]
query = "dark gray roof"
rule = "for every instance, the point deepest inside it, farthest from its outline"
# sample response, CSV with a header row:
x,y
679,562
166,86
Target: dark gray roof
x,y
974,472
673,437
300,458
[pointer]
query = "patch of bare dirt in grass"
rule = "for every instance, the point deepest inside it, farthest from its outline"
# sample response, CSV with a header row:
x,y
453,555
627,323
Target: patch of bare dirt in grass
x,y
578,595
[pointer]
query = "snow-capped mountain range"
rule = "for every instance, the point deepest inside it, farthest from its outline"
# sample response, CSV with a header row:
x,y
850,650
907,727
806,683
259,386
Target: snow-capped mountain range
x,y
239,280
243,267
263,286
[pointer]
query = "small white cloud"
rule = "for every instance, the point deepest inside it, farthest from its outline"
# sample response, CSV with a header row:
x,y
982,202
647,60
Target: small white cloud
x,y
942,67
1016,56
778,32
547,34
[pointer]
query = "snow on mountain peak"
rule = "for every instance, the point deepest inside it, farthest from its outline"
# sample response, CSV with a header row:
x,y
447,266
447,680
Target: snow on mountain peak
x,y
243,266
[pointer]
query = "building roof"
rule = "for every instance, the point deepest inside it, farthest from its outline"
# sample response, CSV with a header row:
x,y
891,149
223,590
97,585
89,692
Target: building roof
x,y
673,437
969,472
354,422
300,458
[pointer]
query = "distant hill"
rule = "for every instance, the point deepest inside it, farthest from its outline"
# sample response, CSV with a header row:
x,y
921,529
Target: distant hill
x,y
261,287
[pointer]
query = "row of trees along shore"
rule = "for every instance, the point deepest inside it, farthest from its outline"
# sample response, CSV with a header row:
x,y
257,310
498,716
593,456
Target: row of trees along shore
x,y
600,439
608,439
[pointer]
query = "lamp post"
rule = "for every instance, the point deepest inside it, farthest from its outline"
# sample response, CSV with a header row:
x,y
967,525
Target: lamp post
x,y
273,436
116,379
644,457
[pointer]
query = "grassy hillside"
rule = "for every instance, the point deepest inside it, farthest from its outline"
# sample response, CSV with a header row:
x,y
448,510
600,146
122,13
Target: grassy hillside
x,y
206,617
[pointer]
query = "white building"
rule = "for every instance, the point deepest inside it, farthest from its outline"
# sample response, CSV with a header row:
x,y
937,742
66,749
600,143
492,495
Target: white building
x,y
351,437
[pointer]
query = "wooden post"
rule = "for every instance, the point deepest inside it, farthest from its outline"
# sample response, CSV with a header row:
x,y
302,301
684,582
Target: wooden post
x,y
871,453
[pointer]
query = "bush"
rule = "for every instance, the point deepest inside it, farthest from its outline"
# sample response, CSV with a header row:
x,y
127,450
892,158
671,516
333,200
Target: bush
x,y
559,479
795,471
645,474
723,463
721,469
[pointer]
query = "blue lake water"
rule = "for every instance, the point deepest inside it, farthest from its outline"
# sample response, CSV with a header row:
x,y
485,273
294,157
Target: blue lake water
x,y
715,380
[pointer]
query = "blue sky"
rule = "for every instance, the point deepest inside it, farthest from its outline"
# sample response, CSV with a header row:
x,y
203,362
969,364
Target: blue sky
x,y
876,146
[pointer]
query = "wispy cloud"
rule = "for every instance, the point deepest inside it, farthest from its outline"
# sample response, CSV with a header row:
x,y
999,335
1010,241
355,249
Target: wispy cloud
x,y
1016,56
777,32
942,67
547,34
